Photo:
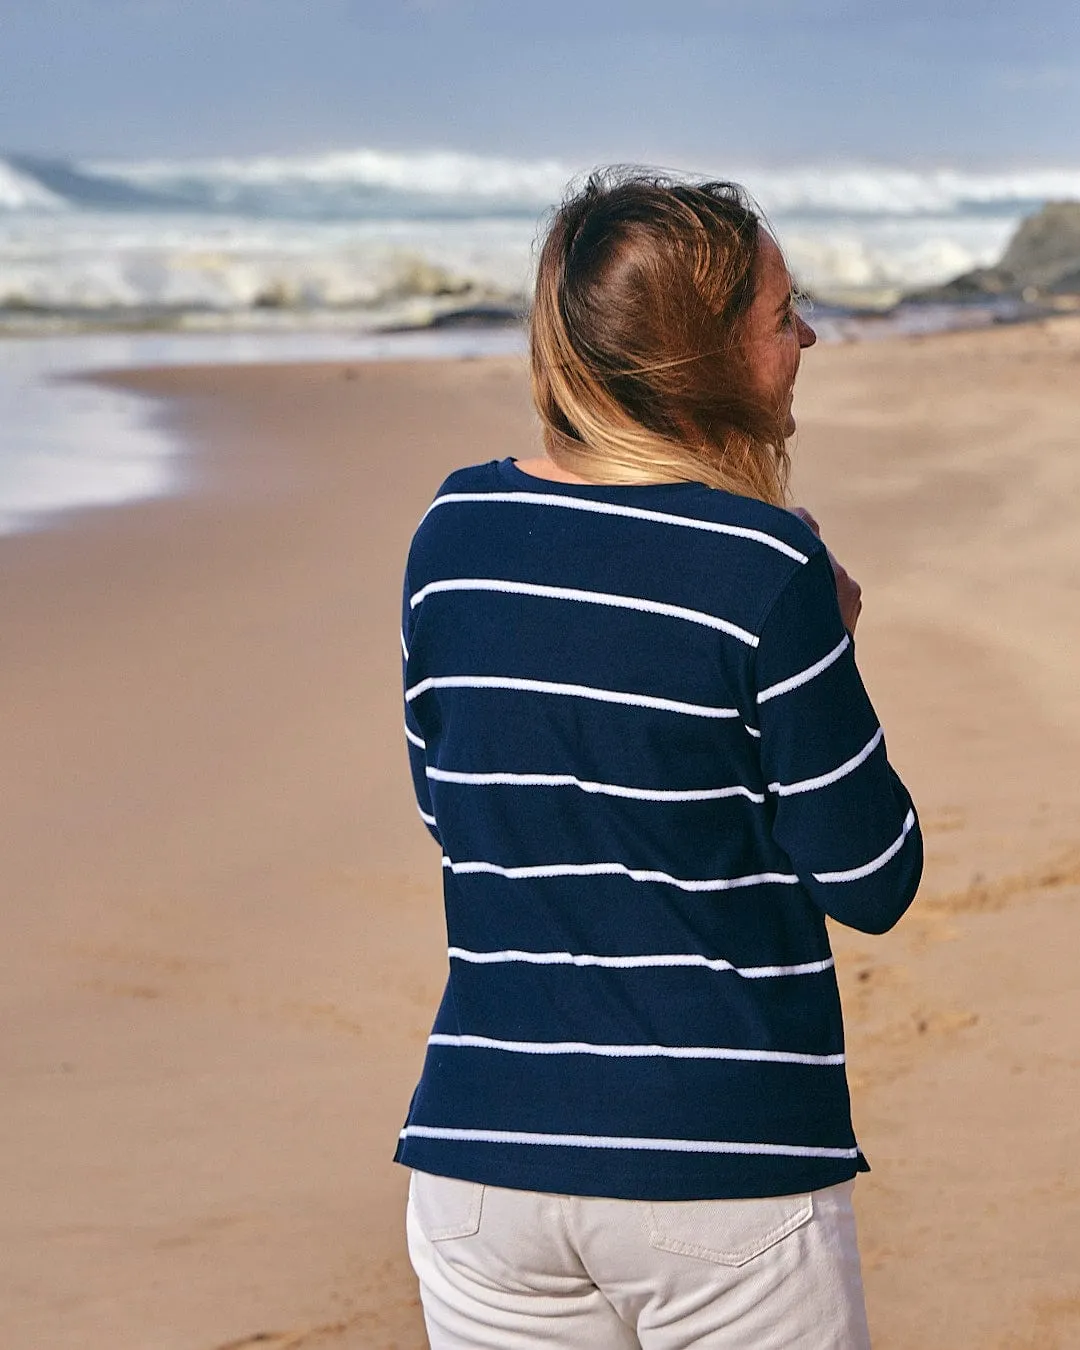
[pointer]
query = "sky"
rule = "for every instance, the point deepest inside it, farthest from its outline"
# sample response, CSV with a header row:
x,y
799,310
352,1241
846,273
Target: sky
x,y
970,83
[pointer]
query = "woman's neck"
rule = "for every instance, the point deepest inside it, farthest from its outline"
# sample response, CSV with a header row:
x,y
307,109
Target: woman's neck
x,y
542,467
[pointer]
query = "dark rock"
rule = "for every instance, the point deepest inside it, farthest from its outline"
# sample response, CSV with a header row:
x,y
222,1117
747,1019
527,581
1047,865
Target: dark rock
x,y
465,316
981,284
478,316
1069,284
1043,258
1046,247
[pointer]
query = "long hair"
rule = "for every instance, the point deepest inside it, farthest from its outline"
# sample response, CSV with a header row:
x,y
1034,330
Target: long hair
x,y
640,370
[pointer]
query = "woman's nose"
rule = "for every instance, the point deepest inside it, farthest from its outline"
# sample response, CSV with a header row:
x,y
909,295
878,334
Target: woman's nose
x,y
807,336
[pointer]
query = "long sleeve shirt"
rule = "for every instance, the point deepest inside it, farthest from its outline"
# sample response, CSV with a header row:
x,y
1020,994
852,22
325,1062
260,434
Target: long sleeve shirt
x,y
639,736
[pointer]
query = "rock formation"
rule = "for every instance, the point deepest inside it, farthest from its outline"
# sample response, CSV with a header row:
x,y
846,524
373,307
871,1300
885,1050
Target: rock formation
x,y
1042,259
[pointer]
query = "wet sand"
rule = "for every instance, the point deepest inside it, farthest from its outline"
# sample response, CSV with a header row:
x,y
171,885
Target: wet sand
x,y
225,940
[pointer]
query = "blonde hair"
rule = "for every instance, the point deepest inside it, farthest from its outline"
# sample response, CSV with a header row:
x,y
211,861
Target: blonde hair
x,y
640,371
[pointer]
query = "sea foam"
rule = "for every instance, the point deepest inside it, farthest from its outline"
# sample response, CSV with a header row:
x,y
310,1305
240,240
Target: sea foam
x,y
68,444
377,239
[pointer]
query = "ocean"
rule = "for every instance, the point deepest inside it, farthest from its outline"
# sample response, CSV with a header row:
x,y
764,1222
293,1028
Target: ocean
x,y
372,239
363,254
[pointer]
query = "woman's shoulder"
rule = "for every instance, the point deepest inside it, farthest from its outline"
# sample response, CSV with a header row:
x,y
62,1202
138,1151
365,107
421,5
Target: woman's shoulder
x,y
483,477
708,513
694,501
440,521
780,524
768,530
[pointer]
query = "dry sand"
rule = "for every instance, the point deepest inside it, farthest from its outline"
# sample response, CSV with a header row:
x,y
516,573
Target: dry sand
x,y
223,934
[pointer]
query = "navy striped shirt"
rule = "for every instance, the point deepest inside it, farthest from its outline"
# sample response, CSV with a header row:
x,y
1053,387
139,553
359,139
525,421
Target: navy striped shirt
x,y
639,736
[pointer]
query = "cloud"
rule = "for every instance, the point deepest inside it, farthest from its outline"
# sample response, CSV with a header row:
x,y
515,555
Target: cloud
x,y
1033,79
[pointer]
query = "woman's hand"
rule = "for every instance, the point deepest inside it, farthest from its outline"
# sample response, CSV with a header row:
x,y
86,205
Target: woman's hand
x,y
848,590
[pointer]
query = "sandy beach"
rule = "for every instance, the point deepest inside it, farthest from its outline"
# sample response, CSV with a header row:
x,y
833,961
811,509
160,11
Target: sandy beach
x,y
224,936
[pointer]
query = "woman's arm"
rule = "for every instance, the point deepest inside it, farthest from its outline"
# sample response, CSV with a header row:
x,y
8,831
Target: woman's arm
x,y
414,736
842,815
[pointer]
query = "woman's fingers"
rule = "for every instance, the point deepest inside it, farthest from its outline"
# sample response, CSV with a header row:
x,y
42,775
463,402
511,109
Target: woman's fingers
x,y
807,519
848,592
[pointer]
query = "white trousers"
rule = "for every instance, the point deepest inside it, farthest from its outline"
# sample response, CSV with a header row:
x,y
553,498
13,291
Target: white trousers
x,y
502,1269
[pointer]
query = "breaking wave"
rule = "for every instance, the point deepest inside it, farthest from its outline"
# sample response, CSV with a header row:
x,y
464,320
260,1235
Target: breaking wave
x,y
346,185
356,183
402,238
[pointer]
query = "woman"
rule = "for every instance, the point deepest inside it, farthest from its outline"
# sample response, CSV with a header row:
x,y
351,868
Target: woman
x,y
639,736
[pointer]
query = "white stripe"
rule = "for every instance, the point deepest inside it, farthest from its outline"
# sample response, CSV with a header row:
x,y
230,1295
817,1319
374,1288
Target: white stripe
x,y
622,1141
428,820
805,676
752,731
404,649
411,735
661,959
633,1051
633,512
834,775
633,602
604,789
857,873
568,691
613,869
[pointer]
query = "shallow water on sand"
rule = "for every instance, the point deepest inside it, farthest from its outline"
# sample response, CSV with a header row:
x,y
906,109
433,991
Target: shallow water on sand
x,y
67,443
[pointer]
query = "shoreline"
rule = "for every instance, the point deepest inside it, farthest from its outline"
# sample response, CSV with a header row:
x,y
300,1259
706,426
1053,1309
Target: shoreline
x,y
73,395
484,315
227,943
77,439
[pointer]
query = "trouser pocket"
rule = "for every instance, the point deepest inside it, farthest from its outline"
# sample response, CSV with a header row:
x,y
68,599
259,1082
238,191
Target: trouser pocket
x,y
446,1207
726,1232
